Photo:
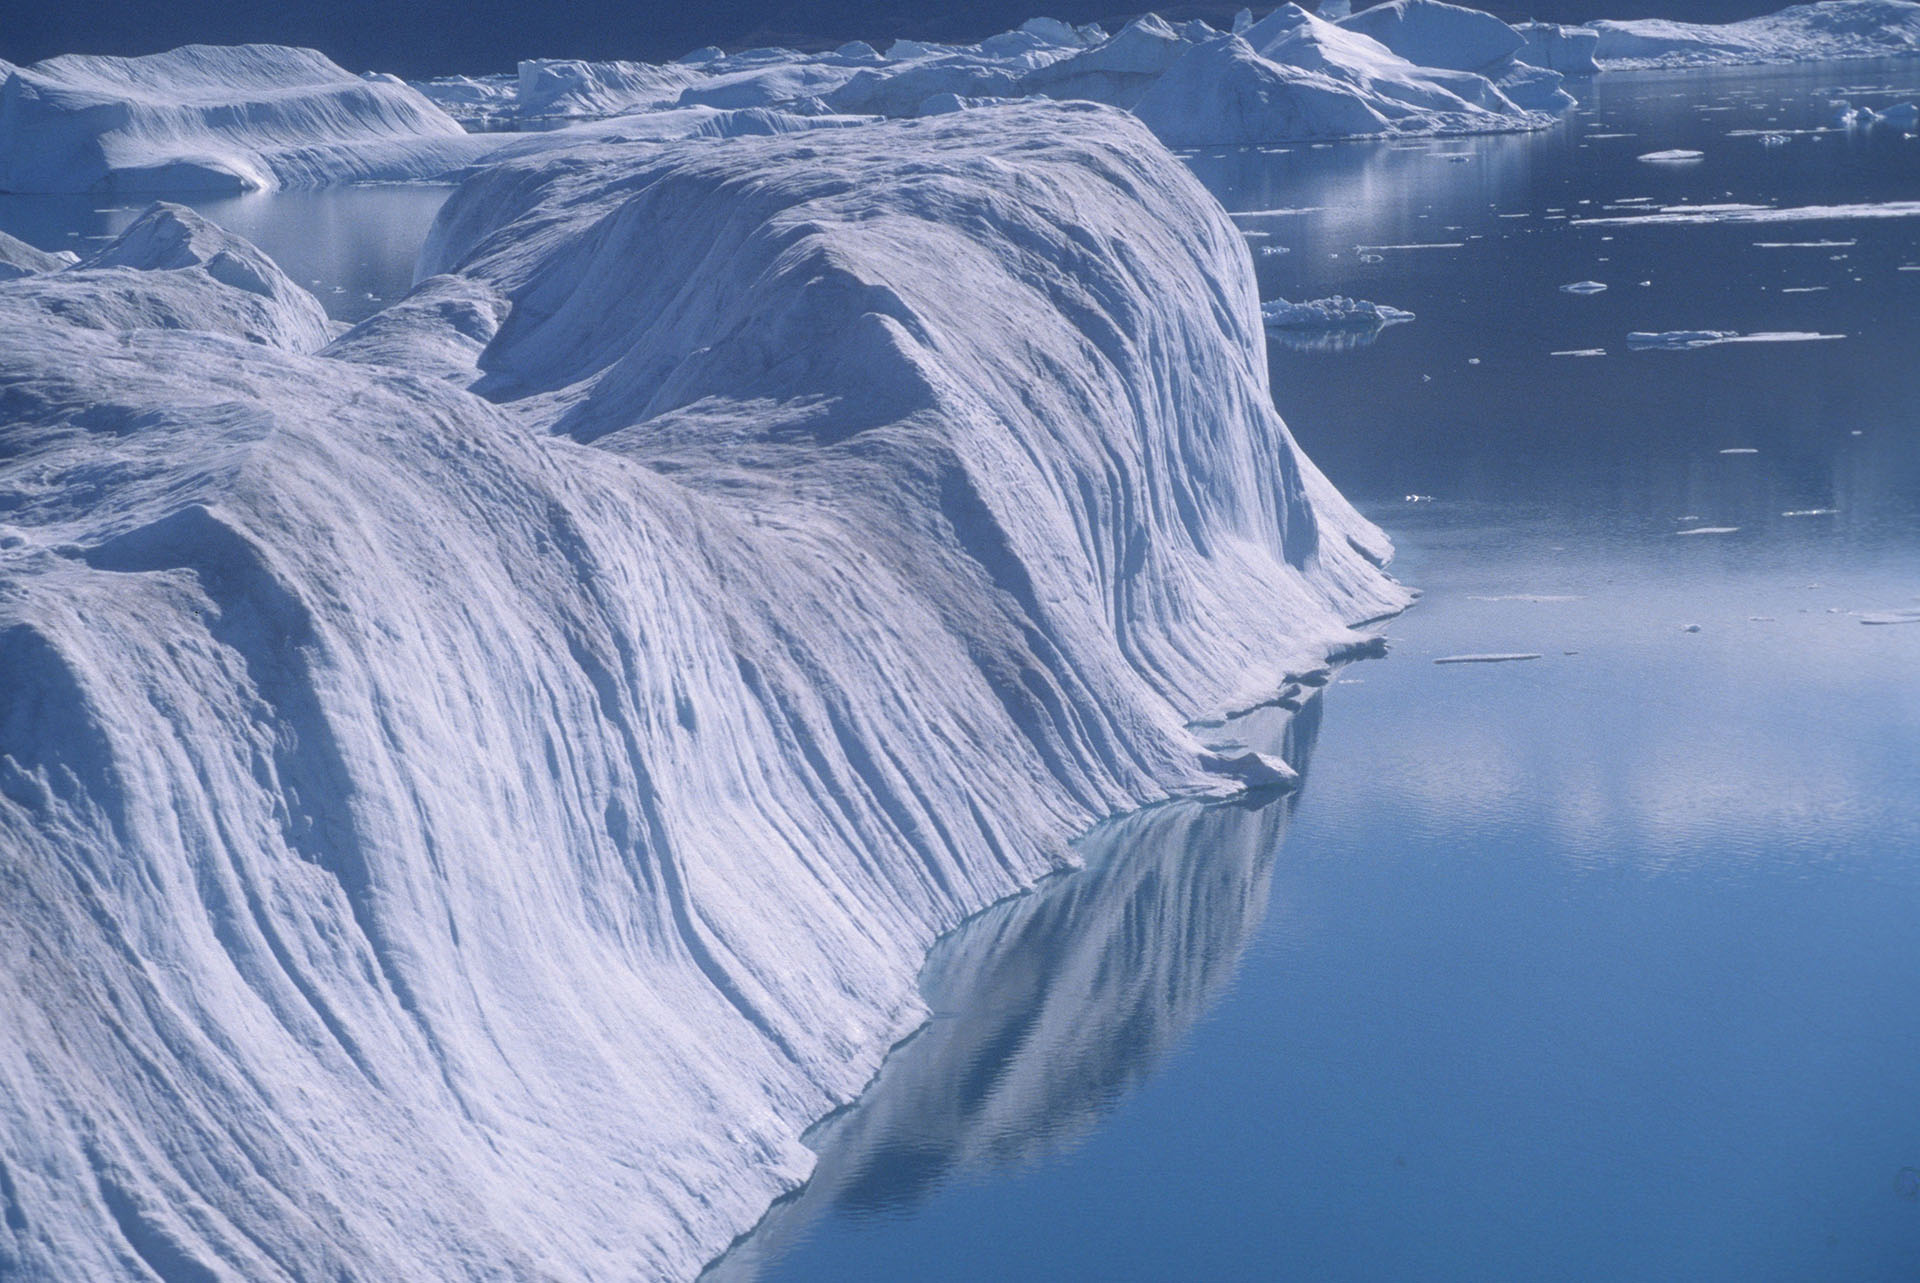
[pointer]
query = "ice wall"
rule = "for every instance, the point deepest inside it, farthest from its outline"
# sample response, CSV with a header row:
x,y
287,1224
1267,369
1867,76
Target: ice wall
x,y
459,834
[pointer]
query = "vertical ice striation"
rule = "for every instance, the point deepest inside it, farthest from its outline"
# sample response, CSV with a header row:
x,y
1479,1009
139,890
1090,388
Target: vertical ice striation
x,y
470,796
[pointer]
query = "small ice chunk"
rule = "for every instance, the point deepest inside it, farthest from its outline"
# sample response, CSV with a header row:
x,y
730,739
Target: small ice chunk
x,y
1677,340
1486,659
1676,156
1709,530
1583,287
1691,628
1739,449
1338,312
1584,351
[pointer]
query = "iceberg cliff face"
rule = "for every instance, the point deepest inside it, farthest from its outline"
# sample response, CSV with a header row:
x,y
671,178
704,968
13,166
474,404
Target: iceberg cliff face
x,y
214,118
450,835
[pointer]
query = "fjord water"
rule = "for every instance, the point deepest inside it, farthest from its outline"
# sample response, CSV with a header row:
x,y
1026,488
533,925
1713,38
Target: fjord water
x,y
1598,966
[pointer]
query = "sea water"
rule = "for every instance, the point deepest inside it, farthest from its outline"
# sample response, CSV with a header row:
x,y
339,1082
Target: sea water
x,y
1595,966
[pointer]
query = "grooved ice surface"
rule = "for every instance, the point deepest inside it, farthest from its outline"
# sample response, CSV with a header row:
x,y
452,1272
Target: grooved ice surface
x,y
215,118
458,834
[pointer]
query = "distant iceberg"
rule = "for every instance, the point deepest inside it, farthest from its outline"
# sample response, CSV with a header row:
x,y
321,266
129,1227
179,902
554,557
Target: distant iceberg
x,y
1803,33
509,761
215,119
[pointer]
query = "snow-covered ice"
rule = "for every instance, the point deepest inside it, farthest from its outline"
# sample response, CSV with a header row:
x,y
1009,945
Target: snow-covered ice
x,y
215,118
1330,313
1336,324
1800,33
509,764
1674,156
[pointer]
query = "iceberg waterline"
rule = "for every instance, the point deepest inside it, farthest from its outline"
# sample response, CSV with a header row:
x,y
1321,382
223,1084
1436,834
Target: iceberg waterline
x,y
508,763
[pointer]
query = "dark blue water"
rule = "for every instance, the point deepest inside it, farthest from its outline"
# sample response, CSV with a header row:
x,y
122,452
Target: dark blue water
x,y
1600,966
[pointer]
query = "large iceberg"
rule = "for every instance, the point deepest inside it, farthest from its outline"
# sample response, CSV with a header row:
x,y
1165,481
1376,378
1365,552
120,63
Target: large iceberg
x,y
472,792
215,118
1290,76
1802,33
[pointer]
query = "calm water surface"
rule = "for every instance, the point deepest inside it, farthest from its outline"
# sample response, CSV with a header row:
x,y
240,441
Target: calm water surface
x,y
1596,967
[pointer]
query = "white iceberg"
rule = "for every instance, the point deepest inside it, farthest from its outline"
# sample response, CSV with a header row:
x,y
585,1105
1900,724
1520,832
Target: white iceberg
x,y
1568,50
1429,33
1336,324
17,258
569,87
432,819
215,118
1329,313
1802,33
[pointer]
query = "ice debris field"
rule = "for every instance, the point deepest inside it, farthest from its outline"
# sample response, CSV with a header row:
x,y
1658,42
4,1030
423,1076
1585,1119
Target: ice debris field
x,y
508,760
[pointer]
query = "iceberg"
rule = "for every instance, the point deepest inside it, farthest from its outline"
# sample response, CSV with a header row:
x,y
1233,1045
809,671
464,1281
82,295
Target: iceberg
x,y
569,87
1431,34
1329,313
1802,33
1568,50
17,258
1336,324
510,763
215,119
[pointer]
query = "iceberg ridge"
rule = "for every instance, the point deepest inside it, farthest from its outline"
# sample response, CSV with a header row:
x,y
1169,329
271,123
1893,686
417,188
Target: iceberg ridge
x,y
509,766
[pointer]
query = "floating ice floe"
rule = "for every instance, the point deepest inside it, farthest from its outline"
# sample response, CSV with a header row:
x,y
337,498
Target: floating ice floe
x,y
1488,658
1741,213
1710,530
1583,287
1328,324
1585,351
1686,340
1675,156
551,723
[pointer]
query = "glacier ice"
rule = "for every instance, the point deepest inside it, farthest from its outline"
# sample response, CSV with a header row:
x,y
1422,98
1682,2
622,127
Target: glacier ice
x,y
1430,33
215,118
1569,50
1329,313
17,258
471,792
1800,33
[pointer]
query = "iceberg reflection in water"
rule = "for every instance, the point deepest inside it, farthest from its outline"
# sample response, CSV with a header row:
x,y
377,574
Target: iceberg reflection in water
x,y
1050,1007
